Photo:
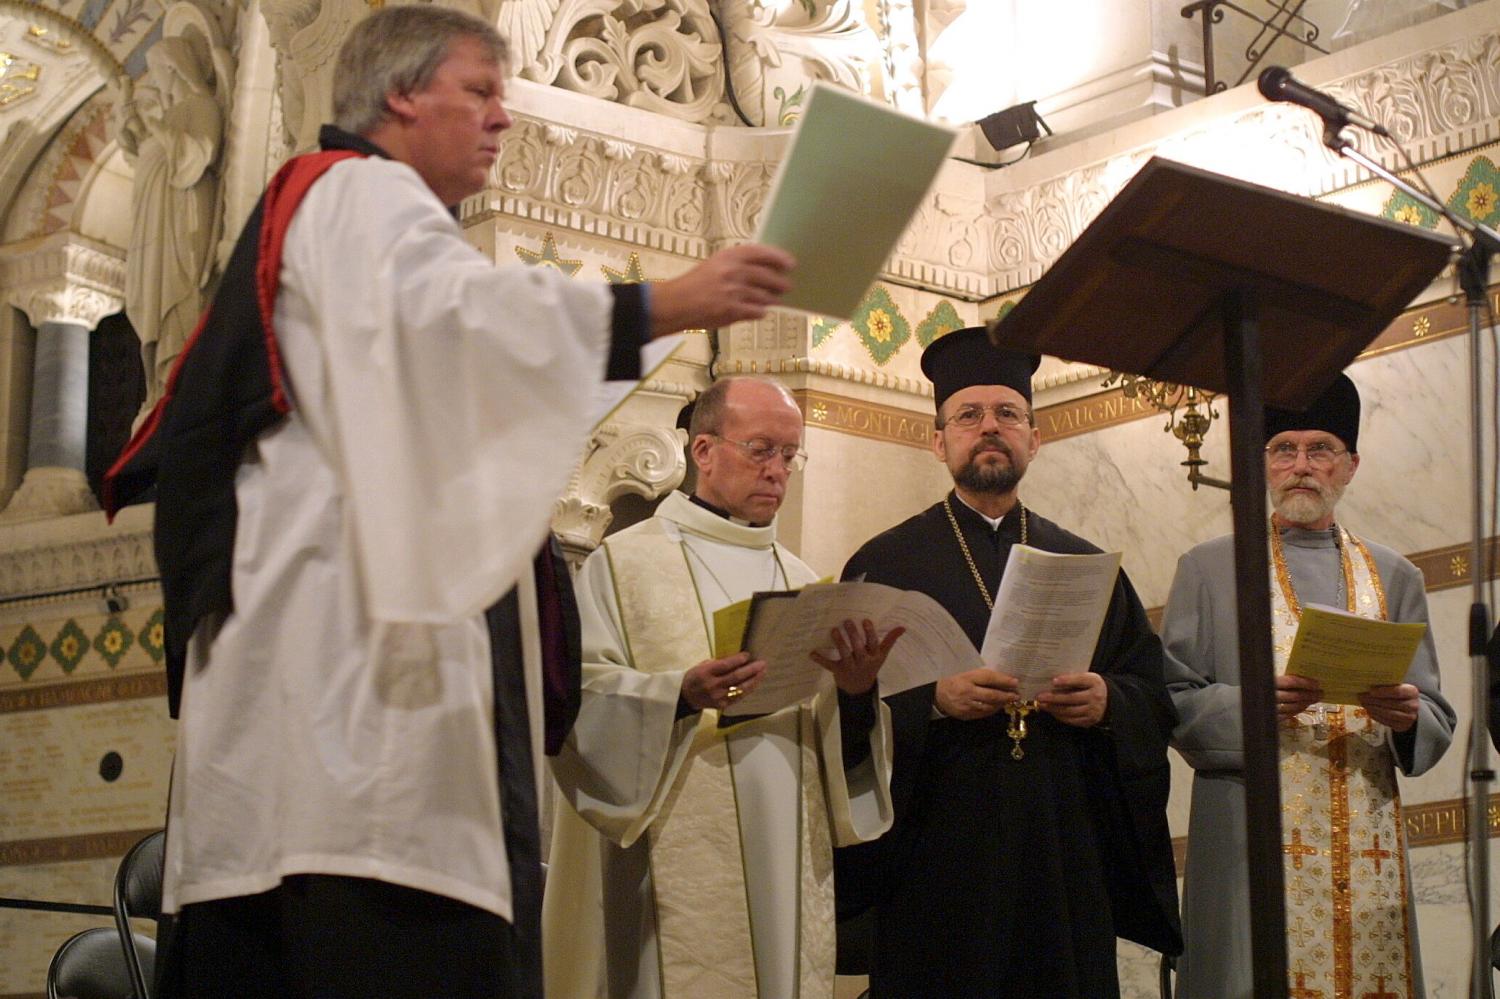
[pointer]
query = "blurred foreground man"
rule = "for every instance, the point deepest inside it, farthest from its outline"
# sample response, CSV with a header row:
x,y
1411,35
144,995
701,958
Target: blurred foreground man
x,y
1351,921
692,856
355,459
1009,877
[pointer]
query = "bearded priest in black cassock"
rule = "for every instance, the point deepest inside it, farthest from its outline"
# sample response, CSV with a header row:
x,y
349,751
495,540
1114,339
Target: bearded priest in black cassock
x,y
1013,864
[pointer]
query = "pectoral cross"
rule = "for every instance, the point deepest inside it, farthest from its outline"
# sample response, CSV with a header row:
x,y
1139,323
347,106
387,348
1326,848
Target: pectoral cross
x,y
1018,710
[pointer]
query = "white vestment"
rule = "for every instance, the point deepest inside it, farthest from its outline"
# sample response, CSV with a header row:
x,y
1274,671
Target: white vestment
x,y
691,861
340,720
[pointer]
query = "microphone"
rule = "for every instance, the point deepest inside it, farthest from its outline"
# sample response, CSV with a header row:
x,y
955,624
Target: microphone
x,y
1278,84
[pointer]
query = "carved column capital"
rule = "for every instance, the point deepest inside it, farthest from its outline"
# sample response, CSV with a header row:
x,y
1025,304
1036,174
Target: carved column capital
x,y
625,458
65,278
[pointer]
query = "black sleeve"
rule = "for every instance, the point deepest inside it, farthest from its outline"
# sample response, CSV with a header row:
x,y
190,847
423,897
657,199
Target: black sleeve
x,y
630,328
1129,777
856,718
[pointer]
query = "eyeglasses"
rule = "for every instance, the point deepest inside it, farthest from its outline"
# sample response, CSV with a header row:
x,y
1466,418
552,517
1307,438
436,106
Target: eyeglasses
x,y
1006,415
1320,454
762,452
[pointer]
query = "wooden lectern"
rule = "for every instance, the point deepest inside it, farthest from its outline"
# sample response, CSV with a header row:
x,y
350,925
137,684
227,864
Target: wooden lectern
x,y
1194,278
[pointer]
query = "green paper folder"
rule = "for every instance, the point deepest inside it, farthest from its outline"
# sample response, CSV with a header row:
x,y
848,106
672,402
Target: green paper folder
x,y
856,174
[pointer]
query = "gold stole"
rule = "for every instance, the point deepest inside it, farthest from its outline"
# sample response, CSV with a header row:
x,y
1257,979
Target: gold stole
x,y
703,930
1344,854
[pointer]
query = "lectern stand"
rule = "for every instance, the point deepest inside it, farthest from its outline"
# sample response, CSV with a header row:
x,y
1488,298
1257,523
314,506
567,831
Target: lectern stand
x,y
1194,278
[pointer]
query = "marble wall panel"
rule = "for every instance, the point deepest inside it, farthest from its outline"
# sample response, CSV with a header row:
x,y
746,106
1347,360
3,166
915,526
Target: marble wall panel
x,y
857,488
1122,488
1443,926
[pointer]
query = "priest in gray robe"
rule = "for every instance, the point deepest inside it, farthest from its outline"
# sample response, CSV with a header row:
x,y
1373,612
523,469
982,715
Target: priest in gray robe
x,y
693,858
1351,926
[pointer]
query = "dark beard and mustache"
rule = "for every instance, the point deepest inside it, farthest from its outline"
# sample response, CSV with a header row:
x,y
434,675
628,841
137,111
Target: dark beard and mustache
x,y
989,480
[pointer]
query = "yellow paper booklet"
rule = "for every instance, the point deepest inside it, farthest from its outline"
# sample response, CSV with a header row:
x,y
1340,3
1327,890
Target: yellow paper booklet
x,y
1348,655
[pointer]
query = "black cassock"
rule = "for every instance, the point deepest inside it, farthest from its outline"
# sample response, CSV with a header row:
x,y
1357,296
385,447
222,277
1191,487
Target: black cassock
x,y
1005,877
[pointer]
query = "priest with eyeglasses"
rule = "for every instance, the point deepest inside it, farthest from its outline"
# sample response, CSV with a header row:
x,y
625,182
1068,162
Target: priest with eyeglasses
x,y
692,851
1351,921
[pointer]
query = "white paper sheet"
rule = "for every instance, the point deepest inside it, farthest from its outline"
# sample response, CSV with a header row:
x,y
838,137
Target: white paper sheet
x,y
785,630
1048,614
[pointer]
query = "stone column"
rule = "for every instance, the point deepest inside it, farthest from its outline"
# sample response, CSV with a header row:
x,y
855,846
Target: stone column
x,y
65,285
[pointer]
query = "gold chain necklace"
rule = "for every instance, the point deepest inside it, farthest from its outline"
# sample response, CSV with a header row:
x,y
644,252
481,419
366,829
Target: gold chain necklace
x,y
1284,577
1017,709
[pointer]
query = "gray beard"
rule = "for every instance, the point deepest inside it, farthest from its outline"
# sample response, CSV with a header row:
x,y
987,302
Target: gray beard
x,y
1298,508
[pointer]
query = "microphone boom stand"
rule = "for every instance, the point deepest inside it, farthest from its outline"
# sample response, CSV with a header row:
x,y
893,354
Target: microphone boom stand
x,y
1473,277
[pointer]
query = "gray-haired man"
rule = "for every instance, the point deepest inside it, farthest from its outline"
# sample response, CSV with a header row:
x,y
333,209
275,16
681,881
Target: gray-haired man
x,y
363,447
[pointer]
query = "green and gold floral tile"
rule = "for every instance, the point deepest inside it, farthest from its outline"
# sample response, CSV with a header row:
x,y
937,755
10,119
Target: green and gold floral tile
x,y
151,636
113,641
822,330
1402,207
27,652
880,325
1478,194
942,319
70,646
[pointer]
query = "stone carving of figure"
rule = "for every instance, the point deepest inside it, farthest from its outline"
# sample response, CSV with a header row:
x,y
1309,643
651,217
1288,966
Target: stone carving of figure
x,y
307,35
174,128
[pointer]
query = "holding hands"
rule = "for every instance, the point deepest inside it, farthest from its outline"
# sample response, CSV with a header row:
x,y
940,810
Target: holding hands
x,y
860,655
1395,705
1076,699
976,694
714,683
1079,699
1295,694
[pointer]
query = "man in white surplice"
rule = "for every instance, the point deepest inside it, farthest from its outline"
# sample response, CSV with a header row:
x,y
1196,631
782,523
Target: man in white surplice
x,y
692,859
362,448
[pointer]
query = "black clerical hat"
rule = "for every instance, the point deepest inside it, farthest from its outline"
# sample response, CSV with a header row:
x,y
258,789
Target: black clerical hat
x,y
966,357
1335,411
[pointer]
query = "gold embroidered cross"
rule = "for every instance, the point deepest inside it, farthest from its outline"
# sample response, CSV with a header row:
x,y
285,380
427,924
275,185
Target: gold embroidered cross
x,y
1376,854
1297,849
1300,932
1380,992
1301,991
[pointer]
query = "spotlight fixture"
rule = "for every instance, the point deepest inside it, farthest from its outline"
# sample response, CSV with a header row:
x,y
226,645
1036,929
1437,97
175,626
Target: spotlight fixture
x,y
1013,126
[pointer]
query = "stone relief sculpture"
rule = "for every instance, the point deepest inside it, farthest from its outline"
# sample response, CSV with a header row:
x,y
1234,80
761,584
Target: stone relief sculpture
x,y
173,131
306,35
777,51
667,55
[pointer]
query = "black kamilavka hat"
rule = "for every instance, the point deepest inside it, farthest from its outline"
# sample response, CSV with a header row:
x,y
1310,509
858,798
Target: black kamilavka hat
x,y
1336,411
966,357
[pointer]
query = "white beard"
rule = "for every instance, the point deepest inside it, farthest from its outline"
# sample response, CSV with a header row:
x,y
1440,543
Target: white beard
x,y
1301,508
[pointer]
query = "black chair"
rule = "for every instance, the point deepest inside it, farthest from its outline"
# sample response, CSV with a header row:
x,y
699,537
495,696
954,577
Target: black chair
x,y
90,965
138,896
